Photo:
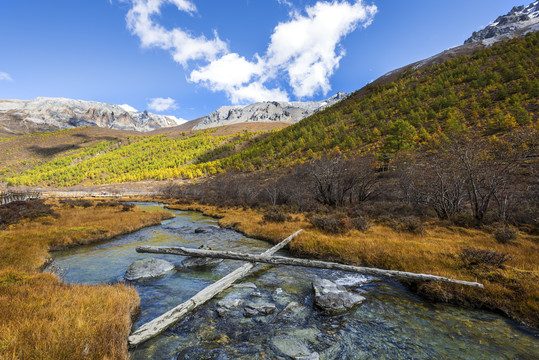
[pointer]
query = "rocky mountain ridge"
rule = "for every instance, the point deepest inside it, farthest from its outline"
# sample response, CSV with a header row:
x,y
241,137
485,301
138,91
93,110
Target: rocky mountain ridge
x,y
19,117
521,19
267,111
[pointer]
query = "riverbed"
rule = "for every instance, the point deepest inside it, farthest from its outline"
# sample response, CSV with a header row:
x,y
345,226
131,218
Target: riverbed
x,y
392,323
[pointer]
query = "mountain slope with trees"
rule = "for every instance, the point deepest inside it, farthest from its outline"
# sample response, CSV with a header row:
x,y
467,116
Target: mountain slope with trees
x,y
489,93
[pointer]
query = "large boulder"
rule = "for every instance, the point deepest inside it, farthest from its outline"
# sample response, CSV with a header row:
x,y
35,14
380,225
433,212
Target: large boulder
x,y
332,298
147,268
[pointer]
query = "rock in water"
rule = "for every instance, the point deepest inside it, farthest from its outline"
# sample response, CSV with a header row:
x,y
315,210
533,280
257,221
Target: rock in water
x,y
256,309
205,229
147,268
331,297
198,262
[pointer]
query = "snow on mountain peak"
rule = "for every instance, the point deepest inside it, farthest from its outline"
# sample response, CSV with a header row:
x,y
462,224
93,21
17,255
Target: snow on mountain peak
x,y
521,19
267,111
128,108
46,114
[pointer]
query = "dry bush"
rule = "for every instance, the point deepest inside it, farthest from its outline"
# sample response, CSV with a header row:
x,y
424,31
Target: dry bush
x,y
361,223
16,211
412,224
332,224
482,257
407,224
109,203
276,215
172,191
505,234
127,206
76,203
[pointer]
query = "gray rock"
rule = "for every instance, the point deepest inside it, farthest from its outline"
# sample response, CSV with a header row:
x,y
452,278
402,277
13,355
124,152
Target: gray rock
x,y
249,285
256,309
225,305
147,268
205,229
290,346
281,297
293,313
198,262
257,294
295,344
331,297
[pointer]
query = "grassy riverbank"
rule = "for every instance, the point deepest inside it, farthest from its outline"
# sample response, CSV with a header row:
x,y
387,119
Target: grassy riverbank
x,y
43,318
511,288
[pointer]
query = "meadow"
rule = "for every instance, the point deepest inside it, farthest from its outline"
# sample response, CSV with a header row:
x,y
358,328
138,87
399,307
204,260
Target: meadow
x,y
40,316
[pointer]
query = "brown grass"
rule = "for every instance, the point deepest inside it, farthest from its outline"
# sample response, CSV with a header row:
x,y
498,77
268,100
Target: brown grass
x,y
512,289
43,318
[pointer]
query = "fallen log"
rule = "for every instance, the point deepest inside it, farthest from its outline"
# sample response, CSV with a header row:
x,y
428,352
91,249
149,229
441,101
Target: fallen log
x,y
161,323
280,260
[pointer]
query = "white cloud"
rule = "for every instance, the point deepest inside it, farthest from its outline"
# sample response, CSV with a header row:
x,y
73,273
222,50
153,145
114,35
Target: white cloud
x,y
5,76
306,47
305,51
285,3
182,45
162,104
238,77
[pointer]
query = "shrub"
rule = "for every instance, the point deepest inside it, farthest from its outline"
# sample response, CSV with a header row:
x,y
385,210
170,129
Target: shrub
x,y
18,210
412,224
110,203
482,257
505,234
127,206
361,223
276,215
331,224
76,203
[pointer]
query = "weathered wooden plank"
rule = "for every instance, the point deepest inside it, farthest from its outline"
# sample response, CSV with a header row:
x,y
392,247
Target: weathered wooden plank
x,y
279,260
160,324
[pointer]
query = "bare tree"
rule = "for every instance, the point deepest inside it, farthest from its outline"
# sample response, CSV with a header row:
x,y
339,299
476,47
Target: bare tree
x,y
333,179
433,181
365,179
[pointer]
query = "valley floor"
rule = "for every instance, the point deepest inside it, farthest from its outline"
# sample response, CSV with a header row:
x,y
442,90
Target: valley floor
x,y
511,288
41,317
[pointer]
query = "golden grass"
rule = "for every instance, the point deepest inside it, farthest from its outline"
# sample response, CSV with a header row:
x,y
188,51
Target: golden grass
x,y
43,318
513,290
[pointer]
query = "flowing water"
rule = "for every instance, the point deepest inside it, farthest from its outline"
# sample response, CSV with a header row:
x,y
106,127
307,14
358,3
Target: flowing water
x,y
392,323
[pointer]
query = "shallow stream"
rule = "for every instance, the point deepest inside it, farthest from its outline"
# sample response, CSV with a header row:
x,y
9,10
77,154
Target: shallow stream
x,y
392,323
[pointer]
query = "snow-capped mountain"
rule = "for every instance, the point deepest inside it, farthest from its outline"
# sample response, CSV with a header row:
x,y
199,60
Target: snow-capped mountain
x,y
46,114
267,111
520,20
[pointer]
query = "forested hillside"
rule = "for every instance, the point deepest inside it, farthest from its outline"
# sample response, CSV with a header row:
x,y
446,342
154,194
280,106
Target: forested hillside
x,y
487,94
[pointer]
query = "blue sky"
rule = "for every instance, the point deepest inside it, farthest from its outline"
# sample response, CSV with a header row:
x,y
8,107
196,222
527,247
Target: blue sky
x,y
188,57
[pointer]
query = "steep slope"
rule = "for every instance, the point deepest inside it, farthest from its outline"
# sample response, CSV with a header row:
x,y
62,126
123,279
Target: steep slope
x,y
268,111
18,117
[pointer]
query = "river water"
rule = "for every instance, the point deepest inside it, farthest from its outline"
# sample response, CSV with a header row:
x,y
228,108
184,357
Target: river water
x,y
392,323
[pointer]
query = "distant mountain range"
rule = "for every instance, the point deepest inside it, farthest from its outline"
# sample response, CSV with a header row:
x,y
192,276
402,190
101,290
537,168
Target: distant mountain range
x,y
18,117
267,111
